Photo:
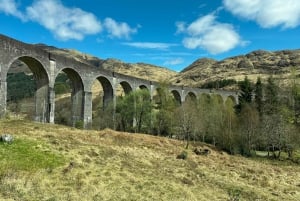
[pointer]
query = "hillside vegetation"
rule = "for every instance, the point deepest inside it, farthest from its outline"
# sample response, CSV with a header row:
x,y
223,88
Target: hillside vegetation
x,y
109,165
255,64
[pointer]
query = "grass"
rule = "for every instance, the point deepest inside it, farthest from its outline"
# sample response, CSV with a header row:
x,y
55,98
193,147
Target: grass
x,y
109,165
27,155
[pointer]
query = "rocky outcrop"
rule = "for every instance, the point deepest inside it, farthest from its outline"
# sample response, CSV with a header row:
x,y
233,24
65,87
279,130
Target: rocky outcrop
x,y
257,63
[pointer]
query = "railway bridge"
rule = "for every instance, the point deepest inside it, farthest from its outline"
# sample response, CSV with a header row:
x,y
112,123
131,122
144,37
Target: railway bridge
x,y
46,67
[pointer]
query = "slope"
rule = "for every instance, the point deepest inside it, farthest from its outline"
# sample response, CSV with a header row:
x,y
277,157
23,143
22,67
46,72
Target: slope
x,y
109,165
258,63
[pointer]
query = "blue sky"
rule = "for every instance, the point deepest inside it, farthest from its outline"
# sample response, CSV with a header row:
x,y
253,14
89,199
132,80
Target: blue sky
x,y
169,33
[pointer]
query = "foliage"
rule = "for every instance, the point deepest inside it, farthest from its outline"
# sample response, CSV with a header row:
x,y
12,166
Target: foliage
x,y
165,105
79,124
135,111
246,92
259,95
19,86
61,85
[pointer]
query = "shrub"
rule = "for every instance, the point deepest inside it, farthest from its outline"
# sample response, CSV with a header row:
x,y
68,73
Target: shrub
x,y
183,155
79,124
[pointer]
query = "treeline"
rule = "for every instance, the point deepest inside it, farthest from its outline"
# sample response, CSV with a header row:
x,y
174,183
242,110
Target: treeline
x,y
267,117
19,86
219,84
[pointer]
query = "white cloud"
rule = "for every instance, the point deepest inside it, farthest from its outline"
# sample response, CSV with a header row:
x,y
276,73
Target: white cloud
x,y
9,7
118,29
174,61
65,23
267,13
210,35
149,45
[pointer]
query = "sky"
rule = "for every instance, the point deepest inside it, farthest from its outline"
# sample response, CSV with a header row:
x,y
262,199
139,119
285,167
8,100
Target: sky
x,y
167,33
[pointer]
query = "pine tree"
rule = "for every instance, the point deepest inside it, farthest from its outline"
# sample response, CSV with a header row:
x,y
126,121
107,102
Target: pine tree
x,y
246,91
259,96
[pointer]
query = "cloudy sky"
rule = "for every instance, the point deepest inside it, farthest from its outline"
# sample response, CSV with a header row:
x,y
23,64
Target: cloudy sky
x,y
169,33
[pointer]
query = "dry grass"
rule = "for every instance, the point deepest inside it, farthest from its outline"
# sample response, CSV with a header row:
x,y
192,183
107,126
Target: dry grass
x,y
108,165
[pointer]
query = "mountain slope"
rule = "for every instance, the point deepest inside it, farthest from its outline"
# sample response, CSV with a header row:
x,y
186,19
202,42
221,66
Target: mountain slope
x,y
258,63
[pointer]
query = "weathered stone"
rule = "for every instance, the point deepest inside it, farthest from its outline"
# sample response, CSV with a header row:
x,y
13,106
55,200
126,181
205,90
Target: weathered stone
x,y
6,138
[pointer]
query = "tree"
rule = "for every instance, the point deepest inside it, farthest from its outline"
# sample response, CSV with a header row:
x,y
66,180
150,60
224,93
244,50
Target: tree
x,y
249,124
246,91
164,113
271,103
229,127
134,111
203,109
186,120
259,96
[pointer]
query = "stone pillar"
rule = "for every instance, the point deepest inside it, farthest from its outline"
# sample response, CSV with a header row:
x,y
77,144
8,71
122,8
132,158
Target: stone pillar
x,y
114,88
3,92
151,91
77,106
182,96
52,91
87,110
51,105
41,102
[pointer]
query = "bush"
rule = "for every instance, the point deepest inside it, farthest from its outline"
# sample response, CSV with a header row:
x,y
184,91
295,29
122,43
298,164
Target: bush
x,y
79,124
183,155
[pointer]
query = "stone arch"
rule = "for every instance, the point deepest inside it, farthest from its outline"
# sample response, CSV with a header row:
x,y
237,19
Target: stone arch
x,y
77,94
126,87
232,98
191,96
177,96
143,87
42,86
218,97
107,90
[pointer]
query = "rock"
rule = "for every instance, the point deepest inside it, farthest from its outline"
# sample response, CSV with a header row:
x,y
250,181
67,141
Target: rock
x,y
6,138
199,151
245,63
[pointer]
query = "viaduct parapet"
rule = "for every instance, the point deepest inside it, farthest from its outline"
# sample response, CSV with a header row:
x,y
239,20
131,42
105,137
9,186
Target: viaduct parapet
x,y
46,67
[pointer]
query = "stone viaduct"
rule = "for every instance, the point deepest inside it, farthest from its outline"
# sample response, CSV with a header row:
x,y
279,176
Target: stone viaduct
x,y
46,67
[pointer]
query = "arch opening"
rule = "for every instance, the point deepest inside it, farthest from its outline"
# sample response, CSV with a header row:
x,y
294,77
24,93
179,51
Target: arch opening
x,y
102,103
232,98
191,97
143,87
69,92
125,87
177,96
27,89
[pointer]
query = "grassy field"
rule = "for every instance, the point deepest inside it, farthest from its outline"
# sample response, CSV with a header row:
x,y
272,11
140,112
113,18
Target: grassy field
x,y
57,163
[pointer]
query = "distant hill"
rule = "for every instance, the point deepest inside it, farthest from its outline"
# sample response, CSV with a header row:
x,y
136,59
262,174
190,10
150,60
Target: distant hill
x,y
258,63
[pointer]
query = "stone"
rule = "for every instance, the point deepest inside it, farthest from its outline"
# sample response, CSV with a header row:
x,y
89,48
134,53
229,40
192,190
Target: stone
x,y
6,138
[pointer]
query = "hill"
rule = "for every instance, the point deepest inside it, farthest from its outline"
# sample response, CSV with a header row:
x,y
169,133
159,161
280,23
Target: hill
x,y
52,162
258,63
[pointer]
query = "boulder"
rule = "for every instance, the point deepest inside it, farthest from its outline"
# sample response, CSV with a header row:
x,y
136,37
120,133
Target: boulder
x,y
6,138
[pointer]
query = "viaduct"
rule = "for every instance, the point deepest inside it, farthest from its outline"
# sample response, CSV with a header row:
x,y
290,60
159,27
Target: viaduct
x,y
46,67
